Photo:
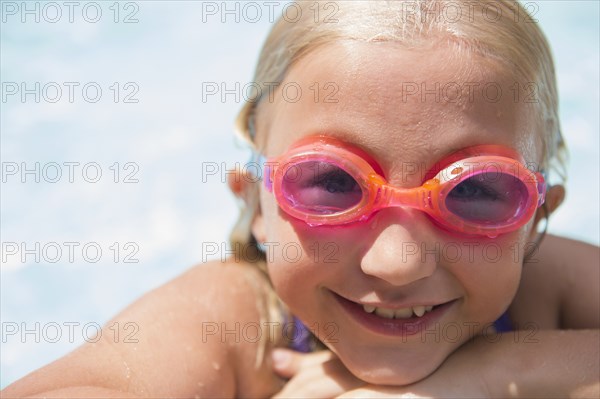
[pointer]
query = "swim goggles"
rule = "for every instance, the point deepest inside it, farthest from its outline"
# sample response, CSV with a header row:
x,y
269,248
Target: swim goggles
x,y
481,190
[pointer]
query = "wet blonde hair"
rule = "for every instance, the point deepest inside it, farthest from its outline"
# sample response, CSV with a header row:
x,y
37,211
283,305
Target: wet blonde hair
x,y
500,30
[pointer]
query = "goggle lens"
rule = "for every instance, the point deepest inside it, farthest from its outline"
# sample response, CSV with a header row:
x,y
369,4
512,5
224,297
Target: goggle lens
x,y
488,198
320,188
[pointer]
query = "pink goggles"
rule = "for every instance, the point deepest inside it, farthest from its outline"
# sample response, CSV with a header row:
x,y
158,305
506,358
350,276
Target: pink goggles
x,y
483,190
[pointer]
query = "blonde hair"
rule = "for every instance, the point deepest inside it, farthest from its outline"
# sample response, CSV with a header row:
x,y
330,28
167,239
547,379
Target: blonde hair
x,y
501,30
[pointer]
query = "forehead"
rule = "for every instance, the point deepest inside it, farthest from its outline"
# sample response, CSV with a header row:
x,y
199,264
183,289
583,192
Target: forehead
x,y
398,104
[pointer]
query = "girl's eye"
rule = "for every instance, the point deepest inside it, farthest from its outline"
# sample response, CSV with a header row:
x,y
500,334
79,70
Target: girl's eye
x,y
473,190
487,198
335,181
320,188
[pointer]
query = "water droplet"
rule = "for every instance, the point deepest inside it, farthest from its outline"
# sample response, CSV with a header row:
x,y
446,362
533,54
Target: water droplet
x,y
373,224
127,370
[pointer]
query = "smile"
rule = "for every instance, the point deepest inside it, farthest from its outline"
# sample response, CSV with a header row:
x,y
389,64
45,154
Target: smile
x,y
396,321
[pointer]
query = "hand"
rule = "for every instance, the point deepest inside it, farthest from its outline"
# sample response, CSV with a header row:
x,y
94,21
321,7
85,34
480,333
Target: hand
x,y
313,375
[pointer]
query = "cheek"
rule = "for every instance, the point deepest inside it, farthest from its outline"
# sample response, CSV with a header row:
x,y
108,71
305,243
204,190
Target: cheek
x,y
304,261
290,265
490,275
297,280
269,210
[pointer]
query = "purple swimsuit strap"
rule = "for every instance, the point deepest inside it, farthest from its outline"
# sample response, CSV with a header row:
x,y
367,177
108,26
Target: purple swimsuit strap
x,y
298,334
503,324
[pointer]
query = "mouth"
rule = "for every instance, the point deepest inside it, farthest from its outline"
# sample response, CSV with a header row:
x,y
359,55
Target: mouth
x,y
405,321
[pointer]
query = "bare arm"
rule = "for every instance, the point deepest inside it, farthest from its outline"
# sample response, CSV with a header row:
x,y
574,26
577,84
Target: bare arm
x,y
173,357
519,364
550,364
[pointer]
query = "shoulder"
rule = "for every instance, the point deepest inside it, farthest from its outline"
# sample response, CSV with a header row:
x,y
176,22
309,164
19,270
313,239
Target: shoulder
x,y
210,292
218,292
235,304
221,310
560,286
180,345
217,280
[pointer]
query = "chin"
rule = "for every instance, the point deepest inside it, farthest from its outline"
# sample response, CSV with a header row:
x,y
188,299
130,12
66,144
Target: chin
x,y
395,374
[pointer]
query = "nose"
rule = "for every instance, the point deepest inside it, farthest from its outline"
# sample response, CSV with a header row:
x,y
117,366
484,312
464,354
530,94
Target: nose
x,y
400,255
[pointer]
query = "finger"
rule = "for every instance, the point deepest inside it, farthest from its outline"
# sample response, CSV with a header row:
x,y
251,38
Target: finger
x,y
326,380
288,363
322,388
379,393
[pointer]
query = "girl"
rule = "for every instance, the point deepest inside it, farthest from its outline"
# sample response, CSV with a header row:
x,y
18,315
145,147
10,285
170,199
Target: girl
x,y
410,181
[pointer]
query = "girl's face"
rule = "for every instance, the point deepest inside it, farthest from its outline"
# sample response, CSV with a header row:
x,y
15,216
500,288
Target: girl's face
x,y
393,103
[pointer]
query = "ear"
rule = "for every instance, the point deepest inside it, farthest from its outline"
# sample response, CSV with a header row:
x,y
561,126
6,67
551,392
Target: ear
x,y
241,183
554,197
245,187
258,227
237,183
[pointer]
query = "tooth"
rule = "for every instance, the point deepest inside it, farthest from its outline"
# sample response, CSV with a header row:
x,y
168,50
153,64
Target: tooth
x,y
403,313
428,308
387,313
419,310
368,308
